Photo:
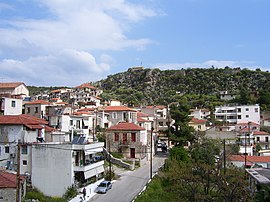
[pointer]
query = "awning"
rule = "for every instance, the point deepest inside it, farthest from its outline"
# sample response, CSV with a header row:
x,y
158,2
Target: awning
x,y
93,151
93,172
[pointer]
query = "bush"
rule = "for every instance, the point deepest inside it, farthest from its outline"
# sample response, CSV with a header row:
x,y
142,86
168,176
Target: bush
x,y
70,193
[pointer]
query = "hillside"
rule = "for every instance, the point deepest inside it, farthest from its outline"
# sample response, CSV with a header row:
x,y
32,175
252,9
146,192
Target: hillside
x,y
153,86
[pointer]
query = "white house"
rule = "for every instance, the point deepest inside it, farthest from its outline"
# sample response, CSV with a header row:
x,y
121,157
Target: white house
x,y
16,129
10,106
199,113
56,167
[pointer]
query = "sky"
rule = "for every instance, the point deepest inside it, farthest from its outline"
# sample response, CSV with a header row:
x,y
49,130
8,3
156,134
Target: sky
x,y
70,42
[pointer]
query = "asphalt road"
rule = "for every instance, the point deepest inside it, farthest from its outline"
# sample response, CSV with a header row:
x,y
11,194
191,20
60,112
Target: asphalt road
x,y
130,184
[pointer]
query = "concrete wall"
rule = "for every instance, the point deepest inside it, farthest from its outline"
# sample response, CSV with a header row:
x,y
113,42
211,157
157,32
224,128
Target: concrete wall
x,y
8,195
52,171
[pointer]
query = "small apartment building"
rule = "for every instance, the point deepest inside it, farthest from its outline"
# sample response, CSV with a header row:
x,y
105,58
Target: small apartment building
x,y
10,106
199,113
56,167
16,129
128,139
238,114
121,114
36,108
262,139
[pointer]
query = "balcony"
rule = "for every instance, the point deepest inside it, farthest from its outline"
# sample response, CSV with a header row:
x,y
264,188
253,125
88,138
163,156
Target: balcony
x,y
124,143
88,166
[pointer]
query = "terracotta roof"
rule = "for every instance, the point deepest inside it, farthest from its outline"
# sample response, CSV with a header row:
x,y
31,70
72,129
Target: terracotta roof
x,y
22,119
56,91
195,120
140,114
153,107
82,112
49,129
9,180
246,123
11,84
86,85
126,127
252,159
118,108
260,133
139,119
42,102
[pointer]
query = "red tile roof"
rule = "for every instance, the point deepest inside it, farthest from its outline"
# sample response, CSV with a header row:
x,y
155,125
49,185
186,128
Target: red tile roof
x,y
10,84
124,126
195,120
247,123
140,114
42,102
86,85
260,133
252,159
139,119
118,108
22,119
9,180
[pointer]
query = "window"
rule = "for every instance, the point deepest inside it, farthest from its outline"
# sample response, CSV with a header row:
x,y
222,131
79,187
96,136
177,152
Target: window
x,y
199,127
28,110
13,103
124,138
36,109
24,162
239,110
160,123
266,139
114,115
133,137
7,149
247,109
247,116
258,139
239,117
116,137
24,149
256,110
71,122
124,116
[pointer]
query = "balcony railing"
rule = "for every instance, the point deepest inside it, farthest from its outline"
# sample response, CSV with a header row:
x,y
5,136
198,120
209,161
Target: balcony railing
x,y
87,166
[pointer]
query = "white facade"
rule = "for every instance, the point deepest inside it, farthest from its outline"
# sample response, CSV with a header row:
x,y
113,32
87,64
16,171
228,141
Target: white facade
x,y
10,106
199,113
55,166
52,171
238,114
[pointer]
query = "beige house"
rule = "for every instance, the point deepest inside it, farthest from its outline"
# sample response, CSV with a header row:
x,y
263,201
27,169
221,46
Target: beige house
x,y
128,139
15,89
36,108
198,124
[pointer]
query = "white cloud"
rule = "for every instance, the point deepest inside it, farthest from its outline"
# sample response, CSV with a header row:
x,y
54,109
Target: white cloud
x,y
207,64
59,49
69,67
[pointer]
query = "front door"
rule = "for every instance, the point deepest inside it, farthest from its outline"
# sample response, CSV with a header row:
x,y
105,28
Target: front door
x,y
132,152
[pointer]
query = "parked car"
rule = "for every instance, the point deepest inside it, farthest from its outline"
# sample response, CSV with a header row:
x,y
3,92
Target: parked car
x,y
103,187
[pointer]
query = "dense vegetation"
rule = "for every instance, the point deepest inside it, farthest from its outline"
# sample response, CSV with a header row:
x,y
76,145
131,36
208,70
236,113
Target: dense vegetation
x,y
200,86
196,173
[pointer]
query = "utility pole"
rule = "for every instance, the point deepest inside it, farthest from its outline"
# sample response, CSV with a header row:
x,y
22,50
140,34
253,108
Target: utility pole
x,y
18,172
151,153
96,110
110,163
224,157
